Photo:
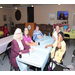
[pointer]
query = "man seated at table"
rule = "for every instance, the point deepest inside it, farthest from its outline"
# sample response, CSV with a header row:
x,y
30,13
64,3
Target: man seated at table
x,y
37,34
61,45
55,34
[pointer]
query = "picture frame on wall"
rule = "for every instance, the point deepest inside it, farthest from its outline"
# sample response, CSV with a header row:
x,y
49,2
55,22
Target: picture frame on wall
x,y
4,18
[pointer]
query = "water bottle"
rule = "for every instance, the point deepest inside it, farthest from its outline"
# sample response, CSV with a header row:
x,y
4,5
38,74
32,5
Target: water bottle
x,y
38,42
20,56
49,33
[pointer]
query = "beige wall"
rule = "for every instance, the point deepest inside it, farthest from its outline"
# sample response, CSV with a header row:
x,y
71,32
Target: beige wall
x,y
23,15
41,13
4,11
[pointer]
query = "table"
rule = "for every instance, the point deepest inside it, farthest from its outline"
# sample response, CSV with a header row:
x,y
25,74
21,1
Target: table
x,y
39,57
72,35
4,42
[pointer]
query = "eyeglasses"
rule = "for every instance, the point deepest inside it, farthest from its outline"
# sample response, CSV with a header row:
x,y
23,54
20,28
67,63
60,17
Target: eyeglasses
x,y
26,30
18,33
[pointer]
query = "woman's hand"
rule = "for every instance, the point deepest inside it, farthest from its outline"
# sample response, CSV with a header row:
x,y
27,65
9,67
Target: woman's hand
x,y
31,50
39,37
51,45
20,53
46,46
35,44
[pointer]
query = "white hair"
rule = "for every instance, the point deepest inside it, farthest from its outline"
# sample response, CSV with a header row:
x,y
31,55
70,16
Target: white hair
x,y
15,34
57,26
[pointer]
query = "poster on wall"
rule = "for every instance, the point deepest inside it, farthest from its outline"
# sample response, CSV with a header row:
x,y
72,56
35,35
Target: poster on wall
x,y
4,18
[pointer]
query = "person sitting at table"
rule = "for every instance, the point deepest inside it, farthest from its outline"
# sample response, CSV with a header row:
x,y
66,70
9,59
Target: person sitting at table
x,y
55,34
37,34
18,44
5,30
61,45
27,38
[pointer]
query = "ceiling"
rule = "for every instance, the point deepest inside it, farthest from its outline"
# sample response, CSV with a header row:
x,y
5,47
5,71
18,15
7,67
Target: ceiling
x,y
17,5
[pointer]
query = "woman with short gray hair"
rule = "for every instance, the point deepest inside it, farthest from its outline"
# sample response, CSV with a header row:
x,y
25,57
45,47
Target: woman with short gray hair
x,y
55,34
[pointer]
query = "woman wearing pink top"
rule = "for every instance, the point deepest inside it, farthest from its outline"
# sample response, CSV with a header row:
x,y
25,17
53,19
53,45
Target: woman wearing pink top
x,y
27,38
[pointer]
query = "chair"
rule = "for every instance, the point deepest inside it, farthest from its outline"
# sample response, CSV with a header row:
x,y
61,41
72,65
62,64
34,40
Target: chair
x,y
59,66
7,52
73,56
67,39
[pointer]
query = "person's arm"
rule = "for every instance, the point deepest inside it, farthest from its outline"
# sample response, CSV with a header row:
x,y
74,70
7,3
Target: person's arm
x,y
54,37
27,48
34,43
59,42
15,47
34,35
40,34
51,45
31,44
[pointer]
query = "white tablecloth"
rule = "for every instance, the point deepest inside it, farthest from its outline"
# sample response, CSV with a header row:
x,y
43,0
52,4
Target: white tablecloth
x,y
4,42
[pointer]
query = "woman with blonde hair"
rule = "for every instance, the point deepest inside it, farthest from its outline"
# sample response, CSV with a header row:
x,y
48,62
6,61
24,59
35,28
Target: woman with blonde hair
x,y
18,44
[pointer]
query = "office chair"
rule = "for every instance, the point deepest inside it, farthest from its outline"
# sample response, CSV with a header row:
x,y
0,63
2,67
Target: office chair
x,y
67,39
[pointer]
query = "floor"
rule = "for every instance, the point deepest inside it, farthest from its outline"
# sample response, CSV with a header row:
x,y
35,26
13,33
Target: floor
x,y
67,59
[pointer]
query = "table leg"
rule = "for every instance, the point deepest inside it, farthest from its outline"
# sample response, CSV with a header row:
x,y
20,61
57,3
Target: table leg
x,y
73,41
1,60
36,69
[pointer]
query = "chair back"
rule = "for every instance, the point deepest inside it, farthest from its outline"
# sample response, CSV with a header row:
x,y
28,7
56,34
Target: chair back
x,y
63,57
8,49
67,39
66,35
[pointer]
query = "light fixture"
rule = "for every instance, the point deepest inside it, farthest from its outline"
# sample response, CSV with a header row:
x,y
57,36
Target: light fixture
x,y
1,7
59,4
32,6
15,7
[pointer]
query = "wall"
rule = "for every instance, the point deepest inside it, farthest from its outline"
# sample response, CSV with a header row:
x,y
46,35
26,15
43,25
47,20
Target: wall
x,y
23,15
5,11
41,13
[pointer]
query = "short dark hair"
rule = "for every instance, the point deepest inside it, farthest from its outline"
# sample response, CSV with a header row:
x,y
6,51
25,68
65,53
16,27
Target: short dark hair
x,y
5,24
62,34
37,25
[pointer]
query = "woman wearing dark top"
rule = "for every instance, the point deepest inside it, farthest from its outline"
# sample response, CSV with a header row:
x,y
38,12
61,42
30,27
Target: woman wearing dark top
x,y
18,44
